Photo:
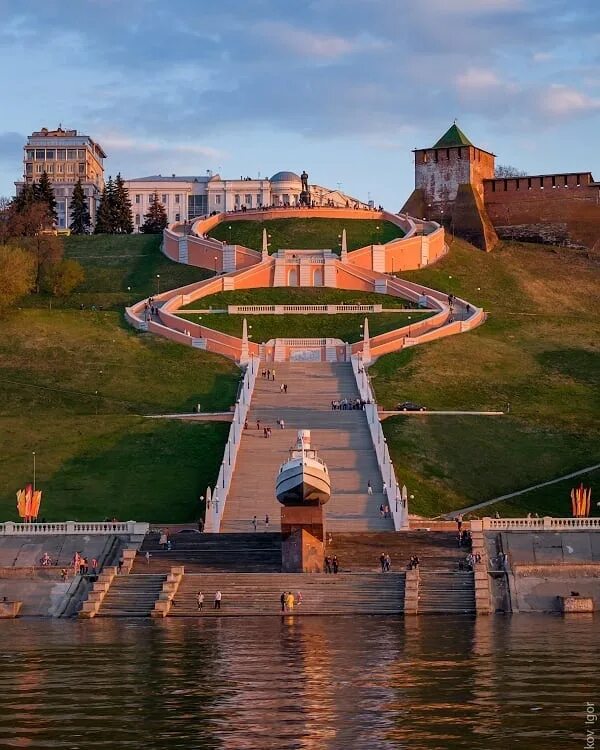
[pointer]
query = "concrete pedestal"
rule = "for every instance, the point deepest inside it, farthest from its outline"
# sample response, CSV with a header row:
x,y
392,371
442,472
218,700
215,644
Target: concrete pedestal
x,y
302,535
576,604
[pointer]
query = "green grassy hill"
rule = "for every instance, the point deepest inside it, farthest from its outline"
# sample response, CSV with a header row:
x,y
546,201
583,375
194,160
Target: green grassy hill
x,y
538,352
308,234
74,384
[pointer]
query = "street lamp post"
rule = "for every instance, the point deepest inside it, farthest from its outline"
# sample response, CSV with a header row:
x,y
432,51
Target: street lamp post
x,y
215,259
158,283
409,324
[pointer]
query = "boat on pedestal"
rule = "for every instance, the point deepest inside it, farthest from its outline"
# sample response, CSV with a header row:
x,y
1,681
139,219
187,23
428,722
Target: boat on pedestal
x,y
303,479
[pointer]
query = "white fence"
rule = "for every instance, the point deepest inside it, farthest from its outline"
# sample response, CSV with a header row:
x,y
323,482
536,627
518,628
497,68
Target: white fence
x,y
214,514
398,507
301,309
9,528
547,523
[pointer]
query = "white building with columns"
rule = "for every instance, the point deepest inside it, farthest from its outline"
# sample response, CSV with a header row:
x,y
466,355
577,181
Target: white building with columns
x,y
189,197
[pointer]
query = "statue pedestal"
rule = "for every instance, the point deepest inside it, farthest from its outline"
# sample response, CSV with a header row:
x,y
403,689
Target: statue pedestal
x,y
302,537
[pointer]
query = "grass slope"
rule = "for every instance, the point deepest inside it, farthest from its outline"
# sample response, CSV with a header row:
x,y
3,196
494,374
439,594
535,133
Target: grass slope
x,y
538,351
345,326
311,234
74,382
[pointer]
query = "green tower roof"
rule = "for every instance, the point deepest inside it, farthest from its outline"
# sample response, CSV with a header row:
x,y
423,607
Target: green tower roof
x,y
453,137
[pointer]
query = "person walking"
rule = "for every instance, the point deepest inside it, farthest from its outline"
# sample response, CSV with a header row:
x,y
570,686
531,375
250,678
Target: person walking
x,y
266,521
299,598
382,510
335,564
255,522
382,561
289,601
273,373
285,388
258,424
147,556
200,601
384,490
388,562
327,564
386,512
281,424
218,597
282,600
459,522
369,488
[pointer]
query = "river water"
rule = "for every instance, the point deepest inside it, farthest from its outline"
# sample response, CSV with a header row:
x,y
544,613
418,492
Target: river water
x,y
314,682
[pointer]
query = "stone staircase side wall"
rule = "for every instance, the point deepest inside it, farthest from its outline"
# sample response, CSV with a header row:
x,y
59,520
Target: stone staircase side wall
x,y
411,592
483,598
96,596
169,590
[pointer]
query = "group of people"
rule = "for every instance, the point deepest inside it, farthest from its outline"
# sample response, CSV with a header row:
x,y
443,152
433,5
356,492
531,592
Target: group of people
x,y
150,309
332,564
267,374
346,404
288,600
164,541
81,565
413,563
200,600
384,511
385,561
470,561
255,522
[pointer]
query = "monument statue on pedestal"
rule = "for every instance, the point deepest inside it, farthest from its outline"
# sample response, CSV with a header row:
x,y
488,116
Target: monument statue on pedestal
x,y
302,487
305,192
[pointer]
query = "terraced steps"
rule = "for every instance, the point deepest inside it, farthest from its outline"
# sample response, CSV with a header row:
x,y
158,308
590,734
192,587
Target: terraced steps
x,y
437,550
341,437
257,552
132,595
446,592
255,594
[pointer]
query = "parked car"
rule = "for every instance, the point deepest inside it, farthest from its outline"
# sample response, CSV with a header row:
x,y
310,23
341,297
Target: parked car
x,y
410,406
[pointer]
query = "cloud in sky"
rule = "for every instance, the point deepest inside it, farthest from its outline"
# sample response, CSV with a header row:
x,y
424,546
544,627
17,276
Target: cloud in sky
x,y
204,84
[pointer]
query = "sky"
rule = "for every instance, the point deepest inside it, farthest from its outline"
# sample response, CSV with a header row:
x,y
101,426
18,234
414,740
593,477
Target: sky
x,y
342,88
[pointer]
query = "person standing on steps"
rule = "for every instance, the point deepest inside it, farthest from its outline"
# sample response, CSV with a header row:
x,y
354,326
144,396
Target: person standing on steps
x,y
200,601
285,388
459,522
218,597
282,600
258,424
335,564
273,373
327,564
369,488
266,521
254,522
382,561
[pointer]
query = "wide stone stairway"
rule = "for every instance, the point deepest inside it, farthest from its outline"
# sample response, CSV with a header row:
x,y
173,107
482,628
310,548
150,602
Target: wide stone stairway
x,y
256,594
446,592
342,439
132,595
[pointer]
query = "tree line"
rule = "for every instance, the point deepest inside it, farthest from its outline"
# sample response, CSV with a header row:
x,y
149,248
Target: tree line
x,y
32,254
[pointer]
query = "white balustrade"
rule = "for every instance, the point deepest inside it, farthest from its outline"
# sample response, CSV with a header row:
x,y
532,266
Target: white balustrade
x,y
299,309
398,507
214,513
11,528
546,523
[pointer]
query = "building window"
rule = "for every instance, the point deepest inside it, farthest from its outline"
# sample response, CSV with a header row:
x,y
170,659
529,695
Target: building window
x,y
218,200
40,154
237,200
177,217
60,168
71,153
165,198
81,153
39,168
81,168
176,197
61,154
71,168
29,169
137,219
50,168
197,206
30,154
138,198
249,201
50,153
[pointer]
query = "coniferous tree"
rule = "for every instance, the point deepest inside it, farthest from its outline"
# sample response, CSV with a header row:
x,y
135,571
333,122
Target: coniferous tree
x,y
44,193
122,207
25,198
156,219
105,218
80,215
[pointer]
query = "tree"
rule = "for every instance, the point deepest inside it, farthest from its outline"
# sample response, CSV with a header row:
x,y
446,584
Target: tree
x,y
156,219
80,214
105,218
61,278
122,207
47,250
29,220
17,274
505,171
44,193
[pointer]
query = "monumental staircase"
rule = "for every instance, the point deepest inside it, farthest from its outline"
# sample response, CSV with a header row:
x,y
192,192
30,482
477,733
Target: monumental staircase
x,y
132,595
341,437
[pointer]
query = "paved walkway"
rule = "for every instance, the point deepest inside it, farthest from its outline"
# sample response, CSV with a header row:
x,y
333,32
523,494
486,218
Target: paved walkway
x,y
342,439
